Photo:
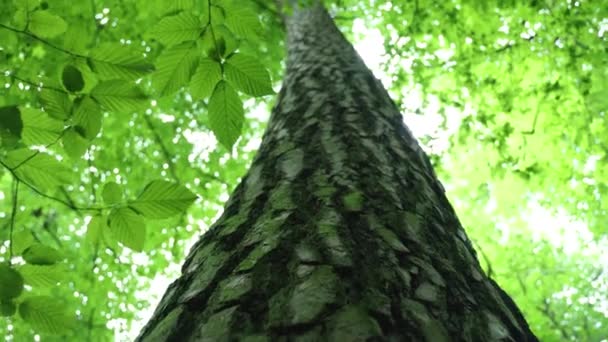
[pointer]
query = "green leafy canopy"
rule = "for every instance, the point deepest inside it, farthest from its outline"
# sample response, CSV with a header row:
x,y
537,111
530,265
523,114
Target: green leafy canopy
x,y
117,116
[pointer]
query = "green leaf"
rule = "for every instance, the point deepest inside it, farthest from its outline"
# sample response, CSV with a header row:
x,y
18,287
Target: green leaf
x,y
178,5
7,308
57,104
46,24
72,79
217,15
128,228
39,128
226,114
11,125
119,95
164,7
161,199
88,75
39,254
95,229
211,44
11,282
20,18
248,75
107,236
113,60
111,193
218,39
243,21
47,314
174,67
43,275
38,169
206,77
21,240
88,118
177,28
231,43
27,5
76,38
74,144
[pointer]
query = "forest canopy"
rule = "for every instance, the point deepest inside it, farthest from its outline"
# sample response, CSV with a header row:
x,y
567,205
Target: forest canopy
x,y
125,125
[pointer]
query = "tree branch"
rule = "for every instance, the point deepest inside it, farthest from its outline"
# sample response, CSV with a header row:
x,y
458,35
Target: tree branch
x,y
44,41
546,310
489,269
163,147
56,199
13,215
33,84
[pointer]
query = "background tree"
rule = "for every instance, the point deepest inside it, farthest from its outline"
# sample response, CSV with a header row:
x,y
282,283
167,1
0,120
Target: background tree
x,y
513,92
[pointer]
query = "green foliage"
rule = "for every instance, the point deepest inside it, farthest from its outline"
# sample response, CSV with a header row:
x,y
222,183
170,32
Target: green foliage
x,y
46,314
56,104
162,199
72,79
39,254
119,95
46,24
37,169
11,283
108,112
175,67
43,276
7,308
176,29
116,61
247,75
206,77
95,229
87,119
11,125
21,240
111,193
74,144
127,227
226,114
243,21
38,127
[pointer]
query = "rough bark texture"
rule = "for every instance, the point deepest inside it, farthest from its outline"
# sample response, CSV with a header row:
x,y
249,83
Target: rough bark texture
x,y
340,231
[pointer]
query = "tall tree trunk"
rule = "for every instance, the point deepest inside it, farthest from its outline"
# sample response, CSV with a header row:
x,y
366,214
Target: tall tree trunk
x,y
340,230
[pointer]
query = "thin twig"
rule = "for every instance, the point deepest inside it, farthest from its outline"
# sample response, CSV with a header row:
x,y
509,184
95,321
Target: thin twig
x,y
56,199
90,167
489,270
37,152
33,84
50,218
163,147
13,215
546,310
167,155
217,50
44,41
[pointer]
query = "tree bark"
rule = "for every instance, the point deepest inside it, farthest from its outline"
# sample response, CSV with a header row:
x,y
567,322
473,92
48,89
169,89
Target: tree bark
x,y
340,230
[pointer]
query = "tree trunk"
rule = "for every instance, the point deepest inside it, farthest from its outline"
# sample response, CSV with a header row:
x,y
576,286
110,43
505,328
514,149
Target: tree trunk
x,y
340,230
